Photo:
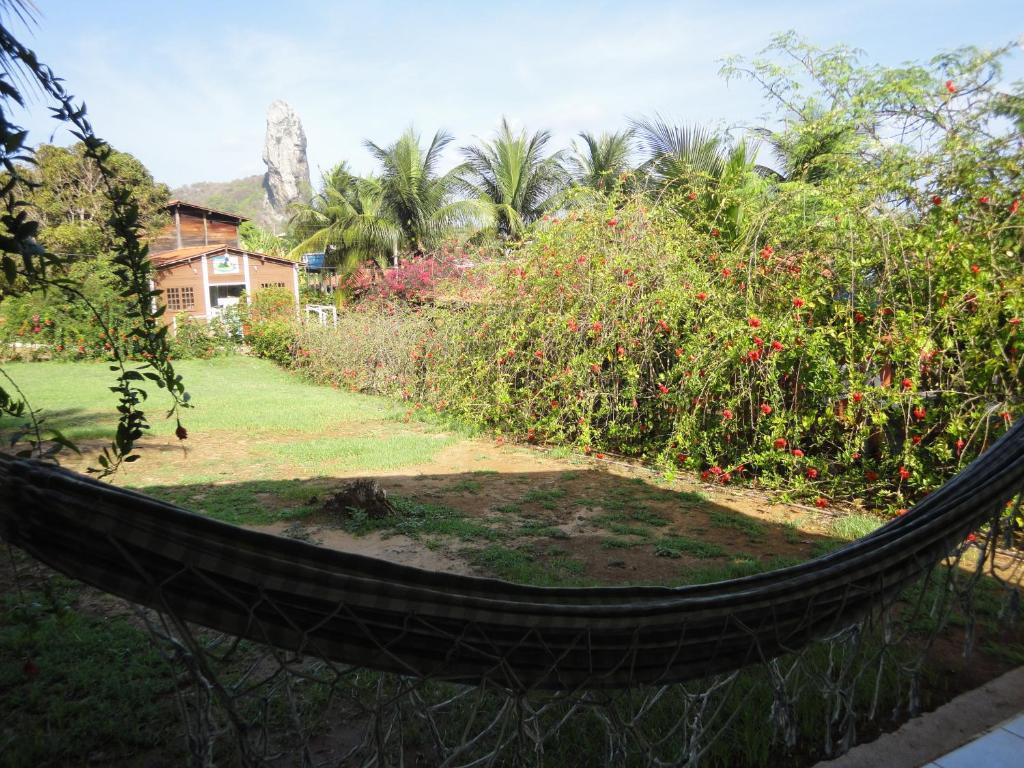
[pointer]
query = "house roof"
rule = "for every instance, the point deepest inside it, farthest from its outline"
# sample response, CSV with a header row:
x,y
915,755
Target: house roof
x,y
169,258
172,204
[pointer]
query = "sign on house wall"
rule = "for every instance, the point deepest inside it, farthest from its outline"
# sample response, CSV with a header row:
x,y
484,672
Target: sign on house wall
x,y
225,265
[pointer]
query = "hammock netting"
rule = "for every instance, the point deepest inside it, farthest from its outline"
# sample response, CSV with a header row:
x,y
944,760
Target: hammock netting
x,y
292,654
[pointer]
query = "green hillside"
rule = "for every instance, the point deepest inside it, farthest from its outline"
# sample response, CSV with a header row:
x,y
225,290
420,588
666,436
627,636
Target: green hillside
x,y
241,196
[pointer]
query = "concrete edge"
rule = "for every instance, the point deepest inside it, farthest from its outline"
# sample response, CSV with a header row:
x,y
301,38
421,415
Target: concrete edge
x,y
932,735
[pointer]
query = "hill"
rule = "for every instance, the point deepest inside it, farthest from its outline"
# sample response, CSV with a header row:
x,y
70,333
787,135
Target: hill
x,y
241,196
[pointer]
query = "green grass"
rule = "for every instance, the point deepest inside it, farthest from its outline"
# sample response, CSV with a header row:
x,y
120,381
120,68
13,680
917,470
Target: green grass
x,y
99,687
547,498
417,520
854,526
674,546
253,503
382,451
527,565
241,395
753,529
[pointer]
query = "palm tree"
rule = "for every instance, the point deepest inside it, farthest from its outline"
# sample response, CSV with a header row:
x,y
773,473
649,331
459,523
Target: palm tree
x,y
416,198
811,151
514,175
602,160
694,158
347,220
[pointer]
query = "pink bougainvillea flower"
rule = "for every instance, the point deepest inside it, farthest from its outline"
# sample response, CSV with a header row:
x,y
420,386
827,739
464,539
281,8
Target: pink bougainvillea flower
x,y
754,322
766,409
780,443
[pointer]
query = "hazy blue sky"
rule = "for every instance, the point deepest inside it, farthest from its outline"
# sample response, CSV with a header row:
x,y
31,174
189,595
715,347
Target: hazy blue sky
x,y
185,85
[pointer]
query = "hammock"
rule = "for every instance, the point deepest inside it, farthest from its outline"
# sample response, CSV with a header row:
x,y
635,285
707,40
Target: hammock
x,y
384,616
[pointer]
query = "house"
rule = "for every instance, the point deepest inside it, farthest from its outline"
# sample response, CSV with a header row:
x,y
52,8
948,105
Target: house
x,y
201,268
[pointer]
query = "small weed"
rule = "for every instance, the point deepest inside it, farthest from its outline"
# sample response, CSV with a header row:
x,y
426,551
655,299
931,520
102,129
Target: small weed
x,y
674,546
545,497
525,566
850,527
466,486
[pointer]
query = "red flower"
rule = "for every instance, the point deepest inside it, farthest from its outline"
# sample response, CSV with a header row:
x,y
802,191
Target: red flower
x,y
539,354
663,325
681,458
754,322
573,326
766,409
1014,321
724,478
726,272
1014,207
726,414
983,200
663,389
780,443
701,296
855,456
595,368
858,317
777,346
597,327
971,537
599,455
612,221
975,268
798,303
904,473
820,502
960,445
758,342
754,355
871,476
936,200
919,413
714,232
901,512
907,384
812,473
857,397
181,433
767,252
798,453
692,196
620,351
554,404
950,87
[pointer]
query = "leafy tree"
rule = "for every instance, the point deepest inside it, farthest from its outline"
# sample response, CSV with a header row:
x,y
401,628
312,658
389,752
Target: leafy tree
x,y
416,198
513,173
600,161
66,192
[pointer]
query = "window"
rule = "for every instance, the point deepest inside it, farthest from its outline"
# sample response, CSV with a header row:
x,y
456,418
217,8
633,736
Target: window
x,y
271,285
179,299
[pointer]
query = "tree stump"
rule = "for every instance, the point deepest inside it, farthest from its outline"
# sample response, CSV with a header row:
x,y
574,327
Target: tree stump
x,y
364,495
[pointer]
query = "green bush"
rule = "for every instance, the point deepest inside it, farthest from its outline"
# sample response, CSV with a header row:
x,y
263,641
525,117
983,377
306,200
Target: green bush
x,y
201,339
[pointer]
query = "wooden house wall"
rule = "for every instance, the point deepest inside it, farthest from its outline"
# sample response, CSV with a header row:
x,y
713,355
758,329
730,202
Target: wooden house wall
x,y
270,273
194,231
183,275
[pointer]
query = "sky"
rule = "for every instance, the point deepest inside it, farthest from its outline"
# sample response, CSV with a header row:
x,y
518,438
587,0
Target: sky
x,y
184,86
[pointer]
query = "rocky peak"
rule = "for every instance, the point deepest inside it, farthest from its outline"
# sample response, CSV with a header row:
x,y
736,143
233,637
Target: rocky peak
x,y
284,153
